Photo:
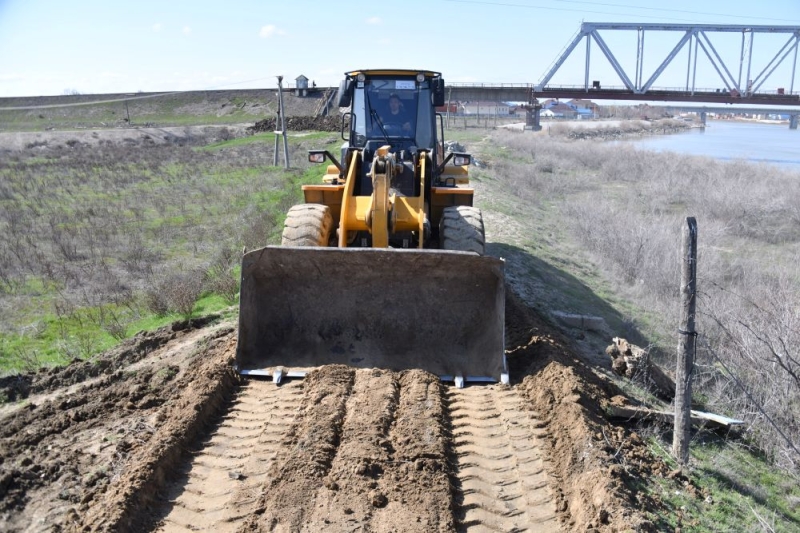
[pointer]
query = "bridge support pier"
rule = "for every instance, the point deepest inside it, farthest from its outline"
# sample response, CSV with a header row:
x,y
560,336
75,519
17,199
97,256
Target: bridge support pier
x,y
793,121
703,118
533,118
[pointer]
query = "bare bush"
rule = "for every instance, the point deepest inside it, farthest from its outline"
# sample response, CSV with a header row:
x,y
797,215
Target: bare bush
x,y
175,291
28,360
219,277
156,301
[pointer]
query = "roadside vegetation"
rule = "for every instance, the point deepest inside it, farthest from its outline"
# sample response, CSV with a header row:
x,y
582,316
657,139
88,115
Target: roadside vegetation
x,y
97,243
603,222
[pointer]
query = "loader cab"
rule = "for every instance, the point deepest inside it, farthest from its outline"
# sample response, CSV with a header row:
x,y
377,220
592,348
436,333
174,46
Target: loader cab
x,y
371,96
374,105
393,108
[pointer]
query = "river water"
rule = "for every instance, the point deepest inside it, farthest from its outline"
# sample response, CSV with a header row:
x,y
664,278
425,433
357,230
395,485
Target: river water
x,y
769,143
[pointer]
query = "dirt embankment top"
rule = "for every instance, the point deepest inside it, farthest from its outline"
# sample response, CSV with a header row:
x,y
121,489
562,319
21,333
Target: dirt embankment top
x,y
158,109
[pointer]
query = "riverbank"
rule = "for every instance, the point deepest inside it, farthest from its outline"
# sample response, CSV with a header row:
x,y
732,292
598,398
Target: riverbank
x,y
616,129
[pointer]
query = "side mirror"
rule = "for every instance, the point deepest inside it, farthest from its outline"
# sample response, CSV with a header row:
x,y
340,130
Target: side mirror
x,y
347,118
438,92
461,159
344,92
316,156
319,156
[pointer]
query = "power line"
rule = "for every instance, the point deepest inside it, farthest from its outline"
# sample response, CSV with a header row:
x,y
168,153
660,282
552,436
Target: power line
x,y
624,6
627,6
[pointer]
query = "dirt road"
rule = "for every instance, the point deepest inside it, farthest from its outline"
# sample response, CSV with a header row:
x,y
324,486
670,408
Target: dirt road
x,y
161,435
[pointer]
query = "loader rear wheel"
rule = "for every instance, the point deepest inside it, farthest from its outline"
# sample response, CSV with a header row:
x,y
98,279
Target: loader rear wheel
x,y
307,225
461,228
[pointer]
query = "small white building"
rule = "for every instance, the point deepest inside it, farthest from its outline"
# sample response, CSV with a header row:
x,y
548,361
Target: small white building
x,y
300,85
486,108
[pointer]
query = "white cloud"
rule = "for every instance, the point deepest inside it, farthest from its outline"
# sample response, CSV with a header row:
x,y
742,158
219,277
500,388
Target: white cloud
x,y
374,21
157,26
187,30
269,30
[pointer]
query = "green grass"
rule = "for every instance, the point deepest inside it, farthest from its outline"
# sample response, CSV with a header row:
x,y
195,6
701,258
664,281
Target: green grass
x,y
268,138
741,486
59,339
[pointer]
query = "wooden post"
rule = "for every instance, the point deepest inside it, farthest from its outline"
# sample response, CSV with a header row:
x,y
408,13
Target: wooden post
x,y
449,100
283,124
686,344
275,149
275,130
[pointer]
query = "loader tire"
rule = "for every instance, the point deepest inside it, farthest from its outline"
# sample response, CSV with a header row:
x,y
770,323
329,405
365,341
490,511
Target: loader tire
x,y
461,228
307,225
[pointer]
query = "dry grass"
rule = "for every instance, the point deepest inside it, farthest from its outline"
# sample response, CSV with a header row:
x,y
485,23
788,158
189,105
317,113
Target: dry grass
x,y
95,239
626,207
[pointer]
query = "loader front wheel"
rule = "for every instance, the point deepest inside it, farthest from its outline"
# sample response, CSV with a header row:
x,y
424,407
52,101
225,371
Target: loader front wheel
x,y
307,225
461,228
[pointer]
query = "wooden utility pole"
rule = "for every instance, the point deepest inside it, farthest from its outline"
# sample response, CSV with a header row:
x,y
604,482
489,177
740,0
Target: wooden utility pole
x,y
275,131
282,131
449,100
686,344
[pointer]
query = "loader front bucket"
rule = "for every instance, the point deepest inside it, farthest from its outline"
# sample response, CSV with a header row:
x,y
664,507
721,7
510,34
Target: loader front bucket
x,y
441,311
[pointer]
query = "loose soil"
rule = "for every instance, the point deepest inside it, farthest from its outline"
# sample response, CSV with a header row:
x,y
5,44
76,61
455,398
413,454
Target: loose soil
x,y
162,435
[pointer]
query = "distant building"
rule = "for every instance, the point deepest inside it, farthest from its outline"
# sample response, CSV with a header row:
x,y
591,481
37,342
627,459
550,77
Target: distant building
x,y
486,108
585,104
561,110
301,85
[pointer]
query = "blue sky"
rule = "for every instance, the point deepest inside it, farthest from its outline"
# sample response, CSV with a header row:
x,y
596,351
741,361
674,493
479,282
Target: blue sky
x,y
94,46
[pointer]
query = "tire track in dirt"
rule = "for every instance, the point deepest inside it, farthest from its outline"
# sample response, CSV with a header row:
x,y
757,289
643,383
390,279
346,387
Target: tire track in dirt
x,y
306,454
145,463
416,483
377,461
221,484
346,499
503,484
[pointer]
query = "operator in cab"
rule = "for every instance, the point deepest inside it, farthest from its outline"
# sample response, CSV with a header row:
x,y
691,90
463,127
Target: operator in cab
x,y
397,115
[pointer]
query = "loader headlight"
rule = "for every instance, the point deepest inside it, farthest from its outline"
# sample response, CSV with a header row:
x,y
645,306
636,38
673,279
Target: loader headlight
x,y
316,156
461,160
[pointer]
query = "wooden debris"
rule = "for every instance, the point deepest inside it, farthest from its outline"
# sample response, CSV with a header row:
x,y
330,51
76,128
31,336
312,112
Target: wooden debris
x,y
633,362
699,418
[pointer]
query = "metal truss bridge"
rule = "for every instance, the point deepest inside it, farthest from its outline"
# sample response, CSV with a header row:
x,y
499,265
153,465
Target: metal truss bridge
x,y
737,89
740,87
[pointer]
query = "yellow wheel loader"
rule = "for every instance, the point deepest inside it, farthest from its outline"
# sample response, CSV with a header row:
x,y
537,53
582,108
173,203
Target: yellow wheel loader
x,y
383,264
